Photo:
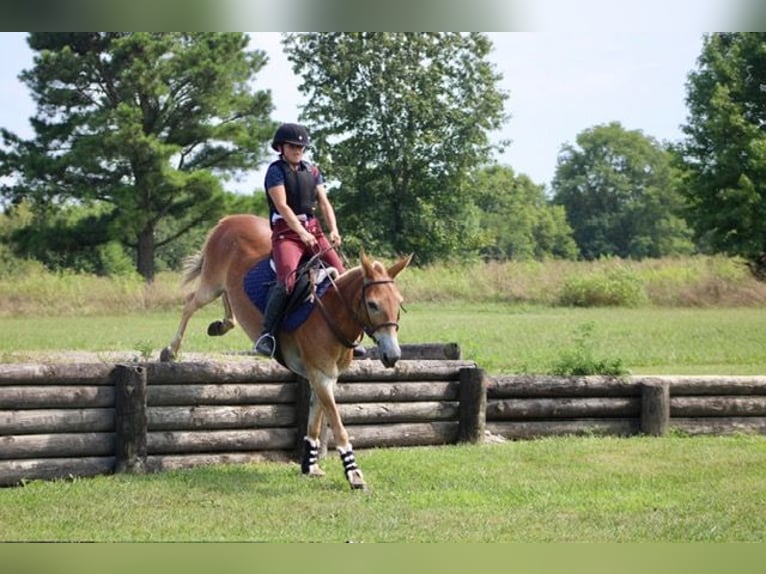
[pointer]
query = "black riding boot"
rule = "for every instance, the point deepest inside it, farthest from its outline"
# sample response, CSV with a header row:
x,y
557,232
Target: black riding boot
x,y
266,344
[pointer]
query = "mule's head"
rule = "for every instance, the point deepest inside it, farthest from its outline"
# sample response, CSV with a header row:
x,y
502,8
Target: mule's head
x,y
381,303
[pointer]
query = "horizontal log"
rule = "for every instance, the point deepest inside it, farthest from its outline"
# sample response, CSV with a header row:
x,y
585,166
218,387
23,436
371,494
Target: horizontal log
x,y
515,409
13,472
718,406
59,445
188,373
157,463
374,413
720,425
712,385
44,421
405,371
523,386
577,427
422,351
374,391
223,417
56,373
55,396
174,442
402,434
222,394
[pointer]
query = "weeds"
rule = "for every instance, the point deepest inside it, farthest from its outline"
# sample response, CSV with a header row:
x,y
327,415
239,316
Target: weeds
x,y
579,360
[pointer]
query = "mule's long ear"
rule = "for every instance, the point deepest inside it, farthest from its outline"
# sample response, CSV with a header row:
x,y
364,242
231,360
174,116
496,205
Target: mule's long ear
x,y
366,263
397,267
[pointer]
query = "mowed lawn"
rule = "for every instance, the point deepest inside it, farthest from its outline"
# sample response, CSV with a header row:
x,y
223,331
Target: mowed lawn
x,y
637,489
501,338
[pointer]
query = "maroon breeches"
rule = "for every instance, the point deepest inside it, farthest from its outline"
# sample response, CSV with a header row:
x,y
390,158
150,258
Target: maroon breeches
x,y
288,249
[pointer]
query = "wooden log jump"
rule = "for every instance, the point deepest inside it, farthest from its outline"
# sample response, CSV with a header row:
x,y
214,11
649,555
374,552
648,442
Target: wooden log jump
x,y
149,416
527,406
66,420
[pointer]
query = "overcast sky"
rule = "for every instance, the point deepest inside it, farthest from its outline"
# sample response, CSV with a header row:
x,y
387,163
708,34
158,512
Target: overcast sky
x,y
581,71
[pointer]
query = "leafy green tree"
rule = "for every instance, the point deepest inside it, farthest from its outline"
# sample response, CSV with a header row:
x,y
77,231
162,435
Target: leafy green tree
x,y
401,119
618,187
145,123
724,151
517,219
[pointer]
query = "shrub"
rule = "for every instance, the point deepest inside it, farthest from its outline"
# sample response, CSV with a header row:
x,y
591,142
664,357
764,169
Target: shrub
x,y
612,287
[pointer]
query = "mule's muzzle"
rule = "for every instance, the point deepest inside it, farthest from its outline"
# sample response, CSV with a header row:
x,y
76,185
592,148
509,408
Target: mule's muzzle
x,y
388,350
389,361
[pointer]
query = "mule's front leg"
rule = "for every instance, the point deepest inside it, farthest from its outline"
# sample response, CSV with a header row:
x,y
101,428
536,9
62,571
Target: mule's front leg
x,y
324,389
311,442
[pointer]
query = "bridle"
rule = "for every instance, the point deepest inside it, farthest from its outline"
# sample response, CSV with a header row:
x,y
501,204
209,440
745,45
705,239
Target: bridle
x,y
365,324
368,327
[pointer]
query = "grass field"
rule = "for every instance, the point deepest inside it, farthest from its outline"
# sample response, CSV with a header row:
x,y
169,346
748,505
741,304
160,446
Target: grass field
x,y
565,489
501,338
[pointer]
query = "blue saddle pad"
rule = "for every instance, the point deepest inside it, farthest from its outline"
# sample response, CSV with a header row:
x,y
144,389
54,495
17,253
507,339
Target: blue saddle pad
x,y
259,280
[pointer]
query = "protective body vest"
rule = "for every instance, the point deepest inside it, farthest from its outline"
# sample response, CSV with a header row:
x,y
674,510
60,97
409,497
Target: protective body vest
x,y
300,188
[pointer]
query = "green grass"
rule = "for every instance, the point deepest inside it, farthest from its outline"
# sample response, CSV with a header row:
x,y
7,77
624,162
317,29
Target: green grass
x,y
501,338
563,489
518,338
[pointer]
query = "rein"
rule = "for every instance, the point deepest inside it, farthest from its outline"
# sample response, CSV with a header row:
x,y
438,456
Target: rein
x,y
366,327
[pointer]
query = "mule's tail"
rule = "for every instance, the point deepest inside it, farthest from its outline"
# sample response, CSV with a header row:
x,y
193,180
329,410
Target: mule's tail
x,y
192,267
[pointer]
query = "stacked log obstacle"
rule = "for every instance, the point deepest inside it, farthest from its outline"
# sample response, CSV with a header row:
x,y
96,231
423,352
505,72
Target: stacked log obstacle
x,y
77,420
532,406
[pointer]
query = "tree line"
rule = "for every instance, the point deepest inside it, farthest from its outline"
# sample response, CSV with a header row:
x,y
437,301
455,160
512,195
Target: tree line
x,y
135,132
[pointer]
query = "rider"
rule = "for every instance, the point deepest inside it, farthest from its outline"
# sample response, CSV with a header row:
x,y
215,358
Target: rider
x,y
293,188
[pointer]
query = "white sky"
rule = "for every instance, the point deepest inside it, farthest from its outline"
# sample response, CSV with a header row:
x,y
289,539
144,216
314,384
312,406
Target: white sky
x,y
595,61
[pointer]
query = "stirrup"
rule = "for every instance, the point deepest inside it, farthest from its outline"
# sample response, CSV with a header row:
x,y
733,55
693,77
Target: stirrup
x,y
266,345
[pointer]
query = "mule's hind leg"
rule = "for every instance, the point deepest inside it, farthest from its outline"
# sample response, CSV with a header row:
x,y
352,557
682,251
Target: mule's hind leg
x,y
324,389
218,328
311,442
194,301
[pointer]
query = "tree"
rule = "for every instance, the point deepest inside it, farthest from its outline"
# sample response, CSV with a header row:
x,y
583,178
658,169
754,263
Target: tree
x,y
401,119
619,191
145,123
517,219
724,151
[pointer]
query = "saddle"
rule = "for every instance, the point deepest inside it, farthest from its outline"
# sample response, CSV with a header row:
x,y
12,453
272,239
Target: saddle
x,y
313,279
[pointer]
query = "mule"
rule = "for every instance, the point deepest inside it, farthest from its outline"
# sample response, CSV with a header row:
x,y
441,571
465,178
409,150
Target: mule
x,y
364,299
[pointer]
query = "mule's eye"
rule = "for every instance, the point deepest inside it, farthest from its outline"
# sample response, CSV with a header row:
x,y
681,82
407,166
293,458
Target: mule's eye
x,y
372,306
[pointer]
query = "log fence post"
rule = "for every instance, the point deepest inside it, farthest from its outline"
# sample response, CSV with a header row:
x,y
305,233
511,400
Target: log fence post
x,y
473,405
655,408
130,418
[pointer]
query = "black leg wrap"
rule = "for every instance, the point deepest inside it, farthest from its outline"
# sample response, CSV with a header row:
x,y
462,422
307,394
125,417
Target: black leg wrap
x,y
310,455
349,461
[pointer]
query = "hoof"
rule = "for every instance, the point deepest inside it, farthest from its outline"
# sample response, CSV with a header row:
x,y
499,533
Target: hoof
x,y
356,481
167,356
218,328
314,472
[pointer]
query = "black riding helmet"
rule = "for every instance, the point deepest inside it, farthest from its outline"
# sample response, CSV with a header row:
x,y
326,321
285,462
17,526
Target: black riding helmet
x,y
294,134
